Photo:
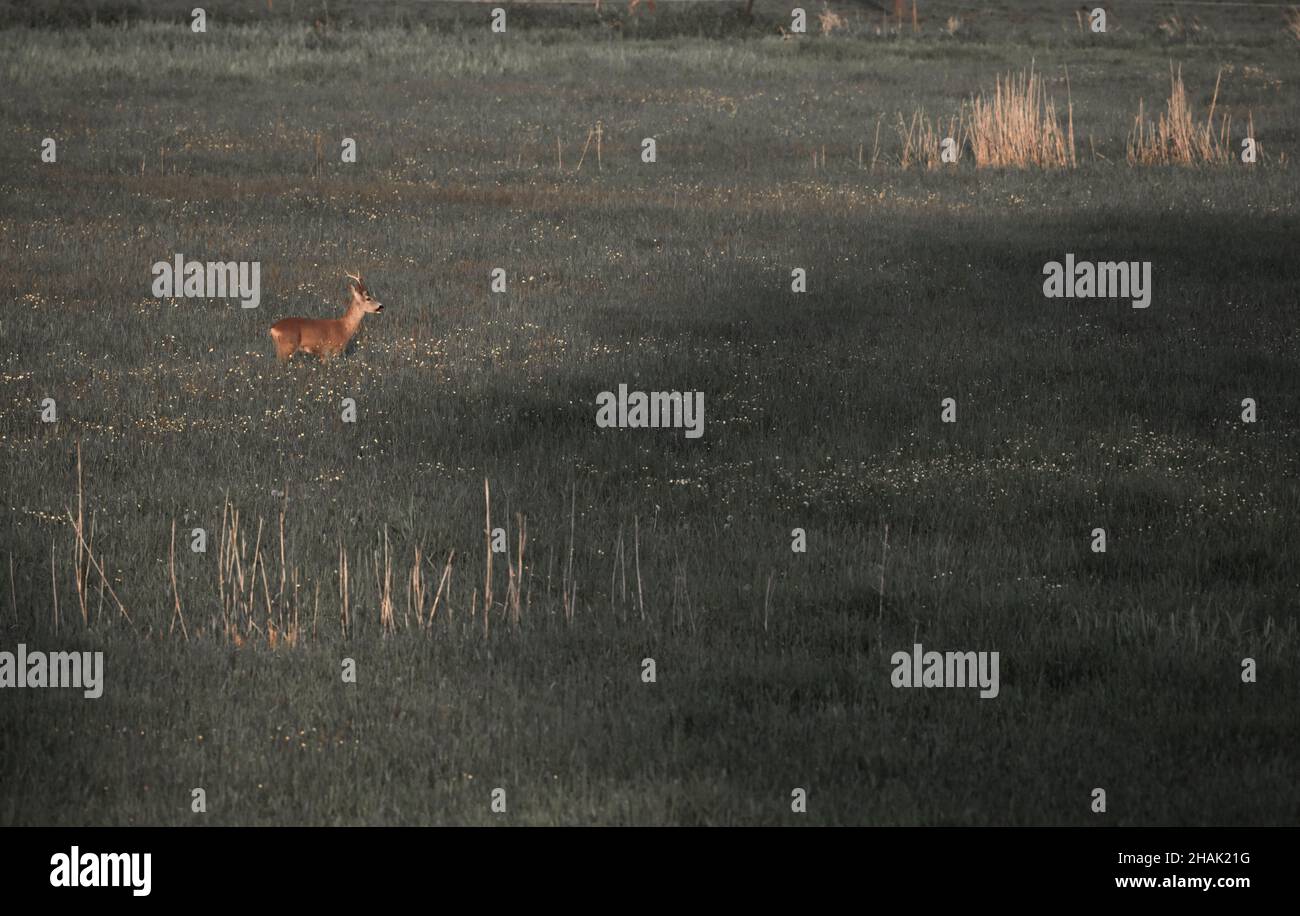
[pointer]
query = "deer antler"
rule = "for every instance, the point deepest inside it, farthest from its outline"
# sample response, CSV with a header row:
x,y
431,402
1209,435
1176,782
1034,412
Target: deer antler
x,y
356,277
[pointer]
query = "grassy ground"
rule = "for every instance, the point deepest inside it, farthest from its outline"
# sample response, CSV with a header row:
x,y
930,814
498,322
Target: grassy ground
x,y
1119,670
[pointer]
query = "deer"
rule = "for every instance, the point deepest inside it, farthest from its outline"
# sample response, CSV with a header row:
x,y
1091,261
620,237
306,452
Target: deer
x,y
325,337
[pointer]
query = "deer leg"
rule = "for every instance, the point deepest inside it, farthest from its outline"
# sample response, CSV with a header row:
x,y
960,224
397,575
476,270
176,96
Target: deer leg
x,y
282,349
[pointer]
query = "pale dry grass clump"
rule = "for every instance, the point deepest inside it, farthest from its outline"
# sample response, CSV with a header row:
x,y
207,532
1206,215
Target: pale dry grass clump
x,y
831,21
1018,126
1177,28
1177,137
922,140
1293,22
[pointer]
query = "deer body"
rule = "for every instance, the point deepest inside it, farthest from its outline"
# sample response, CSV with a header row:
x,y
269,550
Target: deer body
x,y
324,337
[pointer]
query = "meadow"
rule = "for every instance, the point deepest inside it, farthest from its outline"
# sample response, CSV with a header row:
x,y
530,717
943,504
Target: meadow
x,y
329,540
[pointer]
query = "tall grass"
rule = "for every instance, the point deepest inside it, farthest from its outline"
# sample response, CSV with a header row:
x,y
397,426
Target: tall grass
x,y
1176,137
262,591
921,140
1018,127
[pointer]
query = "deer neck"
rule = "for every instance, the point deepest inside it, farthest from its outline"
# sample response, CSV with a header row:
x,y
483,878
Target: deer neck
x,y
352,319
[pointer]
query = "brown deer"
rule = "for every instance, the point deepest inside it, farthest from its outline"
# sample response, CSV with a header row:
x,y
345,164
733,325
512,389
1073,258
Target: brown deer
x,y
325,337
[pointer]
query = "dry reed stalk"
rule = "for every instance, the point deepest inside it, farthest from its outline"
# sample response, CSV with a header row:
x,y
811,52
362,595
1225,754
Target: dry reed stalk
x,y
90,550
522,576
437,596
344,616
528,598
510,570
517,574
622,570
296,629
681,587
613,576
266,593
103,578
54,584
221,555
618,574
387,620
487,541
227,563
550,571
77,569
570,587
578,167
282,565
1069,109
673,612
237,564
880,607
252,570
176,594
415,589
636,547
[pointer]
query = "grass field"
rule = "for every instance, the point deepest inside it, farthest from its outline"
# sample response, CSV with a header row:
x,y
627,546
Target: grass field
x,y
1120,670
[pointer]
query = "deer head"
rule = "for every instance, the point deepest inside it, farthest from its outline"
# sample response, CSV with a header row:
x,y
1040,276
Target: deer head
x,y
361,298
